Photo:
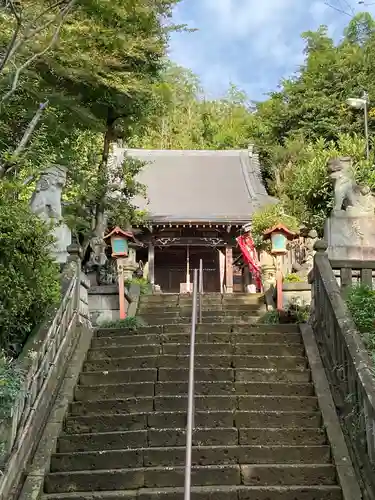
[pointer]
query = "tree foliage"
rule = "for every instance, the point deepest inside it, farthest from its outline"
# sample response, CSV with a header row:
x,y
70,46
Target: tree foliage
x,y
186,119
71,101
308,121
29,279
296,129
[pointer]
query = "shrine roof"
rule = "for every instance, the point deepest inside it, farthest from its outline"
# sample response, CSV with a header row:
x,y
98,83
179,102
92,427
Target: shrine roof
x,y
201,186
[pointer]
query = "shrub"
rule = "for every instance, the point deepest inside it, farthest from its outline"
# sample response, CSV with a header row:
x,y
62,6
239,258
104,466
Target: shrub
x,y
143,284
270,318
294,313
361,304
292,278
268,217
10,384
130,323
29,279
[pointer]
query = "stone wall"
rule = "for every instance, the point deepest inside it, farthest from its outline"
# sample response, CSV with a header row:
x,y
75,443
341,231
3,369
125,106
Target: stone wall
x,y
103,302
296,293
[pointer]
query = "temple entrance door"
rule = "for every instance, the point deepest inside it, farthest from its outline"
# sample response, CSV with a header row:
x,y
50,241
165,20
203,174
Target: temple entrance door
x,y
211,273
171,267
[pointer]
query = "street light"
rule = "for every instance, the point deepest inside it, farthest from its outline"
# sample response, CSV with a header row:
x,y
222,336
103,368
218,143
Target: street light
x,y
362,103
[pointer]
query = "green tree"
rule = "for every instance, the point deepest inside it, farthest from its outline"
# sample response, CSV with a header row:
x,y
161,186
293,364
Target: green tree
x,y
99,83
312,102
29,280
186,119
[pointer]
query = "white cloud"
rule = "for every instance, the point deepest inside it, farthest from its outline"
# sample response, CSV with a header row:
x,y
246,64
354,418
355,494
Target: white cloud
x,y
250,42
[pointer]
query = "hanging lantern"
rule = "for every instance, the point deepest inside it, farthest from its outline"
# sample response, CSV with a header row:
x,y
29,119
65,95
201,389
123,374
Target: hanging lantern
x,y
119,241
279,236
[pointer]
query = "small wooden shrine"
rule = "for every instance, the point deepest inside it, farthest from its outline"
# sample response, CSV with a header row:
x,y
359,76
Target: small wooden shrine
x,y
197,203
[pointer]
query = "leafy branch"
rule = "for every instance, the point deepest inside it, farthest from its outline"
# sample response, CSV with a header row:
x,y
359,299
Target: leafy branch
x,y
8,167
25,33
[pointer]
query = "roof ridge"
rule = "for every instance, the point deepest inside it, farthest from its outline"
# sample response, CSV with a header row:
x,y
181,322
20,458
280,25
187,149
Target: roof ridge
x,y
187,152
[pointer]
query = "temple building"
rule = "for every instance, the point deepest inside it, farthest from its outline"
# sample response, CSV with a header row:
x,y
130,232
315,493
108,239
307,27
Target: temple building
x,y
197,203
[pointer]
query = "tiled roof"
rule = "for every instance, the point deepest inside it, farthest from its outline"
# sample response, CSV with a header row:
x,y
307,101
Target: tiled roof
x,y
215,186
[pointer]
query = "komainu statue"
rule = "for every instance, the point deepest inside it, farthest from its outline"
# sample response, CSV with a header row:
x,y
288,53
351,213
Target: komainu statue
x,y
348,195
46,199
46,203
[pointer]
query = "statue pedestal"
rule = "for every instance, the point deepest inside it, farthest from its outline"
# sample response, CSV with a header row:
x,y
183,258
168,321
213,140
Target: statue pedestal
x,y
350,237
63,237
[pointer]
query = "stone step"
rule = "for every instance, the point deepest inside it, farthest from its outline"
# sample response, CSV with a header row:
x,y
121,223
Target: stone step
x,y
118,376
200,338
249,319
207,297
141,389
202,455
270,375
179,403
186,302
164,297
221,436
207,310
211,493
243,349
159,477
200,375
135,421
226,298
201,361
206,328
186,313
132,389
239,388
252,349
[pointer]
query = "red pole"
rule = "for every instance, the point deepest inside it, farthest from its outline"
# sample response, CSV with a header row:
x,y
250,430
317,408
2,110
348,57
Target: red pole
x,y
121,289
279,284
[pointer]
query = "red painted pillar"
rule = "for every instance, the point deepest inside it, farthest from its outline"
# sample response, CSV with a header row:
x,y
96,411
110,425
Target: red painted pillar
x,y
229,269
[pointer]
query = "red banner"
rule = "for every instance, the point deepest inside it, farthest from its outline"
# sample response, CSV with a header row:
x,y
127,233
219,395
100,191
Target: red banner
x,y
246,244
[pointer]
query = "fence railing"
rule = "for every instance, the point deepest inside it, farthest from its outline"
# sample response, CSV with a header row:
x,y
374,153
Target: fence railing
x,y
42,362
195,314
349,272
347,363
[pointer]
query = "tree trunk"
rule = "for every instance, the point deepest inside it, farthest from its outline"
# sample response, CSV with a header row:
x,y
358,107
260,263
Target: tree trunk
x,y
103,180
100,223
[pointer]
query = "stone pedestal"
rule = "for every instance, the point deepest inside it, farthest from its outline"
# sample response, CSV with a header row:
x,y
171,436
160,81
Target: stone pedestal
x,y
130,264
350,236
63,238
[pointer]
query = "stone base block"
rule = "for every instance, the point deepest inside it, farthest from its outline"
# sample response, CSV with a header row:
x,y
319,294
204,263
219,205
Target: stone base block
x,y
350,237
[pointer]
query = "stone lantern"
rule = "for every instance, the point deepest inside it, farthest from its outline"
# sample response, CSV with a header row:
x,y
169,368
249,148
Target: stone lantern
x,y
279,236
123,251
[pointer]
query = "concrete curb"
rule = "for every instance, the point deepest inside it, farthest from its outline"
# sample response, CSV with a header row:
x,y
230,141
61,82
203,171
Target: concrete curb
x,y
33,486
341,458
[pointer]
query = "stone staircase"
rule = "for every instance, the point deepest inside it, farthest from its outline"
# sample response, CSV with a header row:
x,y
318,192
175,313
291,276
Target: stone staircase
x,y
258,429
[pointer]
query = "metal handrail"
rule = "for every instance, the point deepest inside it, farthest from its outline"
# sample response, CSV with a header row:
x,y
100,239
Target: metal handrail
x,y
200,290
190,409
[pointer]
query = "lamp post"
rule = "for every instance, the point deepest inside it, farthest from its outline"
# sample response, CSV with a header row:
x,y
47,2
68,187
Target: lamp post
x,y
362,103
279,236
120,251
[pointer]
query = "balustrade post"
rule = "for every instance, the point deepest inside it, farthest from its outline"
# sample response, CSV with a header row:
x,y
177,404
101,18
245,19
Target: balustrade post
x,y
320,248
75,255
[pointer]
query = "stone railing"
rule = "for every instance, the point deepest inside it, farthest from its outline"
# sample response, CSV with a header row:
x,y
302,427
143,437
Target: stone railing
x,y
349,272
42,365
347,363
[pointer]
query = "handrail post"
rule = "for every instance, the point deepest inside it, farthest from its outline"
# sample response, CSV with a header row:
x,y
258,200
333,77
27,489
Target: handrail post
x,y
200,289
190,409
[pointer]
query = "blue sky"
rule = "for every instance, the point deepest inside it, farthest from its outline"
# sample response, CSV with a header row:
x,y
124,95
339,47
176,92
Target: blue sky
x,y
252,43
